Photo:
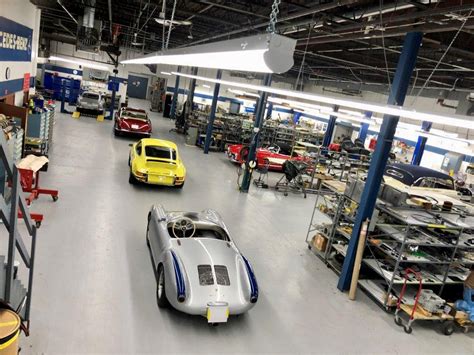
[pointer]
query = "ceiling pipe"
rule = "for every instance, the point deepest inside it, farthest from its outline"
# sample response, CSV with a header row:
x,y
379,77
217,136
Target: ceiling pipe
x,y
64,8
307,12
410,16
110,17
343,37
89,15
230,8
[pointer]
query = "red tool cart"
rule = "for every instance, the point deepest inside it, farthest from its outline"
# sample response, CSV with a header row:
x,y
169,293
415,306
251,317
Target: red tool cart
x,y
29,169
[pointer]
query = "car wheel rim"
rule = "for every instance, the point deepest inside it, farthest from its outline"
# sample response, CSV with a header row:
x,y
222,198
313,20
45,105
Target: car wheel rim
x,y
161,284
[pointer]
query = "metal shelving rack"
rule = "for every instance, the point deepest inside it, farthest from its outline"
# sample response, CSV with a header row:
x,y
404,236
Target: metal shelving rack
x,y
438,243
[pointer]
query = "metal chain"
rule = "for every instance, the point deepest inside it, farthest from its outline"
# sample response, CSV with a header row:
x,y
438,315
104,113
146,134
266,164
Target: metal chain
x,y
274,16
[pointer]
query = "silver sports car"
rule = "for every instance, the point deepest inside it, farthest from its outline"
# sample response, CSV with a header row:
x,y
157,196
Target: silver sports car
x,y
199,269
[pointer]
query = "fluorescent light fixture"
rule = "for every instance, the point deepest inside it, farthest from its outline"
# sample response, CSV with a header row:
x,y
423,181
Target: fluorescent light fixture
x,y
265,53
166,73
174,22
75,61
451,120
243,93
206,86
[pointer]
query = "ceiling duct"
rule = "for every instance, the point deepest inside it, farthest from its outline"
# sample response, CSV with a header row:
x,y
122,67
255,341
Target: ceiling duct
x,y
89,30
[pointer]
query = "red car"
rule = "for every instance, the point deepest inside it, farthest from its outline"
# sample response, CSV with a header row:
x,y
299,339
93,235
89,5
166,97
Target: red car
x,y
237,153
132,121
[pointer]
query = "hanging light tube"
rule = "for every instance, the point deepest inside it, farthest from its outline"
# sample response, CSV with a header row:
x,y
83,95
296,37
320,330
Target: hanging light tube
x,y
264,53
75,61
452,120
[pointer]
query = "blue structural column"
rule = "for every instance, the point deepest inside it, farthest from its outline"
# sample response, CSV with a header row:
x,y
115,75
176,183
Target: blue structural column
x,y
174,103
406,64
192,88
269,110
364,127
212,114
420,144
257,127
330,129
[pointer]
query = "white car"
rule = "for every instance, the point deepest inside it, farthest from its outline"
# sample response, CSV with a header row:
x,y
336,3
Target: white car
x,y
90,102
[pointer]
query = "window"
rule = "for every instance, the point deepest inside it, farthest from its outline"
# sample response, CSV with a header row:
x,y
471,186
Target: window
x,y
139,115
139,148
205,275
435,183
222,275
160,152
88,95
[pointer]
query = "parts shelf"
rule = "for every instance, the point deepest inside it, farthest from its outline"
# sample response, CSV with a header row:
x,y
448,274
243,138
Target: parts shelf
x,y
438,244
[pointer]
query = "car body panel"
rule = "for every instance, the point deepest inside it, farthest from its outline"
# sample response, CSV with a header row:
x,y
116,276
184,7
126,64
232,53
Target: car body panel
x,y
132,121
156,170
181,257
234,155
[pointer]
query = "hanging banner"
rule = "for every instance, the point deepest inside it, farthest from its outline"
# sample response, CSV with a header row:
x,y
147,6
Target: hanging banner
x,y
16,41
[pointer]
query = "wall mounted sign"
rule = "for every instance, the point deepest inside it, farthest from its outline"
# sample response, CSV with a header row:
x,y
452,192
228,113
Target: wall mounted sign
x,y
16,41
26,82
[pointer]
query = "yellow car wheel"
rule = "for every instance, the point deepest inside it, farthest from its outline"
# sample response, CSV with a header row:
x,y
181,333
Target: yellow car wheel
x,y
180,186
131,179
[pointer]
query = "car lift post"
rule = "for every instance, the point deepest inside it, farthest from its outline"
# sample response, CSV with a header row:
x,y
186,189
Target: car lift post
x,y
364,127
330,129
212,114
259,118
112,105
406,64
174,103
420,144
63,96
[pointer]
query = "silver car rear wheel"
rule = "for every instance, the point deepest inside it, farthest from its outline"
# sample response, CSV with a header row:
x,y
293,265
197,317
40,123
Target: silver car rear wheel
x,y
160,289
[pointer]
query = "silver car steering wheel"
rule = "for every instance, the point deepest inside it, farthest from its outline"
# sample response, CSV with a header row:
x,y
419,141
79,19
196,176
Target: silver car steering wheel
x,y
182,226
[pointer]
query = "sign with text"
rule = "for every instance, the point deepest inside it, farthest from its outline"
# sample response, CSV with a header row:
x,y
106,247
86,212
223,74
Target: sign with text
x,y
16,41
26,82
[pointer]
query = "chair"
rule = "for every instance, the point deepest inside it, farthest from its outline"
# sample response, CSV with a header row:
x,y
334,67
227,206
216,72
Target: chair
x,y
293,174
263,171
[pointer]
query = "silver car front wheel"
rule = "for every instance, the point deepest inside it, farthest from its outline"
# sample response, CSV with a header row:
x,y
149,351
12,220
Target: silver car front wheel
x,y
160,289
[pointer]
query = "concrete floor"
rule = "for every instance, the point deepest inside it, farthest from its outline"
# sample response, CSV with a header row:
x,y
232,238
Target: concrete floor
x,y
94,286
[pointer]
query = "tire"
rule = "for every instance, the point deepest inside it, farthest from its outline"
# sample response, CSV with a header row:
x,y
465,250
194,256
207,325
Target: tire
x,y
129,162
407,329
448,328
180,186
161,299
398,321
55,198
131,179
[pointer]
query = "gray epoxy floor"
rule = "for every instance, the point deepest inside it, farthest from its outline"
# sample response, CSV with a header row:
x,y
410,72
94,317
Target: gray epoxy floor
x,y
95,289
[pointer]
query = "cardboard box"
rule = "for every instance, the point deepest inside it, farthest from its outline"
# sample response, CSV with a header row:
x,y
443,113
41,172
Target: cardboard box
x,y
320,242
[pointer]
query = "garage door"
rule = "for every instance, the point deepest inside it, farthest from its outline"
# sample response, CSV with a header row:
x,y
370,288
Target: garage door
x,y
137,86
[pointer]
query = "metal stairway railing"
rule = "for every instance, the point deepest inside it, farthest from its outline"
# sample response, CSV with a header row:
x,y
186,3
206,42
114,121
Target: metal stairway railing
x,y
9,215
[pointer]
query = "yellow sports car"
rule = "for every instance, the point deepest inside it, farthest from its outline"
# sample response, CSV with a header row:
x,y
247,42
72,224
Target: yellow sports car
x,y
157,162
